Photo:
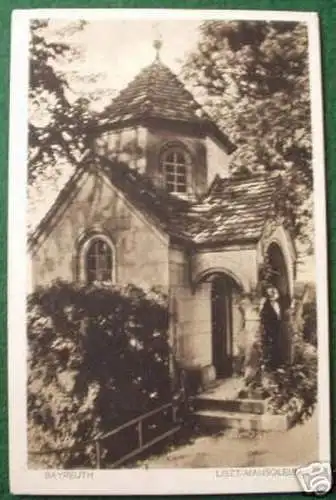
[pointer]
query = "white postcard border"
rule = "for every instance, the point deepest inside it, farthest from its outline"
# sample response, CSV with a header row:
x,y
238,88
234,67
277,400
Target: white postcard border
x,y
138,481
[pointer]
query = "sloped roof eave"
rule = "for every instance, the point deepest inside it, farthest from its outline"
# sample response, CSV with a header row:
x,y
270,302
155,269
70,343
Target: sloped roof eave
x,y
70,189
170,217
249,240
208,127
159,93
61,199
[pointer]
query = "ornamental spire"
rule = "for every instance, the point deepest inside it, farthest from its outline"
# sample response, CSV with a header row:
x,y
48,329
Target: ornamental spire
x,y
157,44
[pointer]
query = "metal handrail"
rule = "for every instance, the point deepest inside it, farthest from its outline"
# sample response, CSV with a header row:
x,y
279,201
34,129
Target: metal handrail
x,y
133,421
99,438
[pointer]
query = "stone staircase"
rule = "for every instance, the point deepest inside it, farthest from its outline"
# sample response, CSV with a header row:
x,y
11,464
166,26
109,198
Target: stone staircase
x,y
220,408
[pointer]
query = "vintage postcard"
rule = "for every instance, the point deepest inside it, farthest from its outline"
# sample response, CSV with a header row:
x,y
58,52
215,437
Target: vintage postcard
x,y
168,319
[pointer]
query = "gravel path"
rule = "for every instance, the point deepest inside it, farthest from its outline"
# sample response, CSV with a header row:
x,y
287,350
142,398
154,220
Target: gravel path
x,y
297,446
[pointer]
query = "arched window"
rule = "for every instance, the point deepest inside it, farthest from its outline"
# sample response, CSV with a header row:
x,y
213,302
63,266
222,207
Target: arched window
x,y
175,162
98,261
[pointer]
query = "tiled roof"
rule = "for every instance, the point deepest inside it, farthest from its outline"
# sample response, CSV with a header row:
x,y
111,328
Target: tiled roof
x,y
157,92
156,201
232,210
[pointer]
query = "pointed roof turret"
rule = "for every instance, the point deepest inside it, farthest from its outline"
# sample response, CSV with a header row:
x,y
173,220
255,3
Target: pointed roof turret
x,y
156,92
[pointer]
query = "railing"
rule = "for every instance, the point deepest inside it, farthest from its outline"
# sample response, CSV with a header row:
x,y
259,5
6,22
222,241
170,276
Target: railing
x,y
141,445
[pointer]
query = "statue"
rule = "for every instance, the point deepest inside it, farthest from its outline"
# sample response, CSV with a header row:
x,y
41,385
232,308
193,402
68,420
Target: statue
x,y
271,316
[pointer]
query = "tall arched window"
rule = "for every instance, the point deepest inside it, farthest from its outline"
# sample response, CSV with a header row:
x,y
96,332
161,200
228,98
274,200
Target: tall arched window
x,y
98,260
175,162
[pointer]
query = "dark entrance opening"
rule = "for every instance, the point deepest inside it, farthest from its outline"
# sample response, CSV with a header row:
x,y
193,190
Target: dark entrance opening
x,y
221,304
279,280
279,276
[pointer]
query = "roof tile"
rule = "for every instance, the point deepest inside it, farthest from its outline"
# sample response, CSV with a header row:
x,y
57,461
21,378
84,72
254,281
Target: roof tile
x,y
157,92
155,89
233,209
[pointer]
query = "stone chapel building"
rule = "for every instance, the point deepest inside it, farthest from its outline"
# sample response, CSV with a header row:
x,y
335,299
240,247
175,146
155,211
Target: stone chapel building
x,y
152,203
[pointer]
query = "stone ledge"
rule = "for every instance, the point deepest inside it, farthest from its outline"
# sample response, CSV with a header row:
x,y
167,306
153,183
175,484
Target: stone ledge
x,y
272,422
220,420
210,402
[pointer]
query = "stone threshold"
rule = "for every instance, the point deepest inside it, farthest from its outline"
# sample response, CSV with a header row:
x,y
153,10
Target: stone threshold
x,y
220,408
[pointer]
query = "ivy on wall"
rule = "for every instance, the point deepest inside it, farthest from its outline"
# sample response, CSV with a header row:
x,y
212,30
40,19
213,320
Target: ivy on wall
x,y
98,356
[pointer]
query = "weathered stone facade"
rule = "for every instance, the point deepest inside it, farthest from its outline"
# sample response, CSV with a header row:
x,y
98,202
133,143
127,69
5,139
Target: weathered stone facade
x,y
191,321
203,245
239,262
141,147
141,250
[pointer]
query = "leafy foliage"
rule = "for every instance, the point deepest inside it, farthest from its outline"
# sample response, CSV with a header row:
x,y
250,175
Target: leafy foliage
x,y
253,79
98,356
293,388
266,274
309,317
60,118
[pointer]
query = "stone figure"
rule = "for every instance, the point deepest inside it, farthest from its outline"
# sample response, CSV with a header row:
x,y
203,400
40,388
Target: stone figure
x,y
271,323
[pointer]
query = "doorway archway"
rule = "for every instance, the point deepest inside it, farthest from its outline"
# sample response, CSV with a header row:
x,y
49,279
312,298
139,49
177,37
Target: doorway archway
x,y
223,288
277,276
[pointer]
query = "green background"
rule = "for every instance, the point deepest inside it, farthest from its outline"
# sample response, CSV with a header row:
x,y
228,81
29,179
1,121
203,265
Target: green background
x,y
327,12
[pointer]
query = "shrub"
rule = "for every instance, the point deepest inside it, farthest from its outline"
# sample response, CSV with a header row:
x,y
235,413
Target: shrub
x,y
309,316
292,388
98,356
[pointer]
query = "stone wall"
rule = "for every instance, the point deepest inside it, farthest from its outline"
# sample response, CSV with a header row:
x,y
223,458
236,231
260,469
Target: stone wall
x,y
191,305
240,263
141,250
274,232
191,325
160,137
127,144
238,332
141,146
191,314
217,159
248,339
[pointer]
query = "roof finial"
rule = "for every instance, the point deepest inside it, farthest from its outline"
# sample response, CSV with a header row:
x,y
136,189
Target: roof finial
x,y
157,44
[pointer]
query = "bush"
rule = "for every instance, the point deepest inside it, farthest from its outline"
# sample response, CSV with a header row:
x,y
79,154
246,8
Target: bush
x,y
98,356
292,388
309,318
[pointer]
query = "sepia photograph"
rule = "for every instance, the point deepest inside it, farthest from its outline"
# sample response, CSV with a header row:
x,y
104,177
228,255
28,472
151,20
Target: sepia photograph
x,y
171,307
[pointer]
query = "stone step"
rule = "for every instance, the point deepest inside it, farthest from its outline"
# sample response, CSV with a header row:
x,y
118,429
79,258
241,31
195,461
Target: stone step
x,y
207,402
212,385
220,420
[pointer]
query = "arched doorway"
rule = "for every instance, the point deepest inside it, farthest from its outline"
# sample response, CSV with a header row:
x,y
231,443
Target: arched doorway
x,y
223,289
277,276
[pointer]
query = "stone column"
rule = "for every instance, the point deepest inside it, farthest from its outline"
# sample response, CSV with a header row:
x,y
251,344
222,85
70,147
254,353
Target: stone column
x,y
253,352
